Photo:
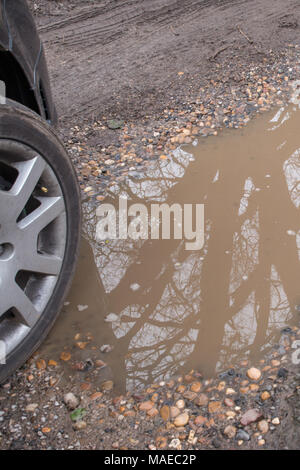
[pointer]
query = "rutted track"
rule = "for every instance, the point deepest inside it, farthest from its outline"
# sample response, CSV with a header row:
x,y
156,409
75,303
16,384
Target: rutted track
x,y
124,57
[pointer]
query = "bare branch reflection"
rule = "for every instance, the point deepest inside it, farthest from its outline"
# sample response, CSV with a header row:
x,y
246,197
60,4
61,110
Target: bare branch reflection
x,y
207,309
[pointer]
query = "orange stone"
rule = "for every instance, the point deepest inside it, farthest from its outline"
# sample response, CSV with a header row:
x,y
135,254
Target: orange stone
x,y
146,405
214,406
196,387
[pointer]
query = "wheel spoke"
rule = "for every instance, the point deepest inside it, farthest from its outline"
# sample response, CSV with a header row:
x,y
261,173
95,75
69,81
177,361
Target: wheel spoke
x,y
29,174
49,210
43,264
7,206
25,307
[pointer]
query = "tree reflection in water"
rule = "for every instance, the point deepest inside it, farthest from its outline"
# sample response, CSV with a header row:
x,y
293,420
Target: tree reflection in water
x,y
207,309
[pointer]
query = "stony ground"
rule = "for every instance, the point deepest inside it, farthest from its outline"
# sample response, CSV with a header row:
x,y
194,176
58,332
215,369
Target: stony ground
x,y
253,406
249,407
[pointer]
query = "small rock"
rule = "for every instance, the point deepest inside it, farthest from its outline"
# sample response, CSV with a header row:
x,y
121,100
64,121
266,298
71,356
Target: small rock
x,y
180,404
201,400
265,395
282,373
253,373
196,387
115,123
275,363
263,426
275,421
31,407
200,420
251,416
161,442
41,364
107,386
146,405
106,348
229,402
174,411
242,435
152,412
165,412
71,401
214,406
190,395
79,425
181,420
175,444
191,438
230,431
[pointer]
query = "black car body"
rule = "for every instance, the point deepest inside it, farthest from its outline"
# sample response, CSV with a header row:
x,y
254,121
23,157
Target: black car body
x,y
22,61
40,210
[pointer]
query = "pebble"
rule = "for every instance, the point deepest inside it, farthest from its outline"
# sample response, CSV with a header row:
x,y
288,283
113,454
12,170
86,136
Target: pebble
x,y
253,373
165,412
32,407
201,400
230,431
251,416
161,442
200,420
71,401
275,421
265,395
229,402
214,406
106,348
107,386
79,425
263,426
175,444
191,438
181,420
196,387
242,435
146,405
180,404
174,411
152,412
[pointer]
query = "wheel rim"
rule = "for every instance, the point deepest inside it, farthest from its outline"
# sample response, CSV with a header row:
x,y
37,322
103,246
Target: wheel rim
x,y
32,239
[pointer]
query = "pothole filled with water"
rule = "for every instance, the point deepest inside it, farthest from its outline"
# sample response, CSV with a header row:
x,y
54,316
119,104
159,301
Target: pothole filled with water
x,y
151,309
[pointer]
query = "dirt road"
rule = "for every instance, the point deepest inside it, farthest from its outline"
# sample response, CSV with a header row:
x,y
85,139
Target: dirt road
x,y
172,70
122,58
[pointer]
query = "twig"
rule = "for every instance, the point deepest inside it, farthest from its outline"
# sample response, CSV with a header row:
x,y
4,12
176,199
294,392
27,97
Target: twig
x,y
250,40
217,53
173,31
245,35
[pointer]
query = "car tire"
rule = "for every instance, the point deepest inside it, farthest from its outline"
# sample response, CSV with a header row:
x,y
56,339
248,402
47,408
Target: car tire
x,y
27,141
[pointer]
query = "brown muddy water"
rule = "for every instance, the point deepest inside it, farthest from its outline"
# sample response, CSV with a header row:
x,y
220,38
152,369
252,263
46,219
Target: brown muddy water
x,y
163,309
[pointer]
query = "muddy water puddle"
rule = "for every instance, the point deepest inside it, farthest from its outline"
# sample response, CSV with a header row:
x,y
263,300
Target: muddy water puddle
x,y
151,309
